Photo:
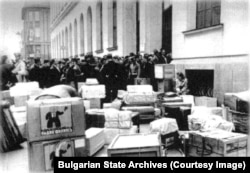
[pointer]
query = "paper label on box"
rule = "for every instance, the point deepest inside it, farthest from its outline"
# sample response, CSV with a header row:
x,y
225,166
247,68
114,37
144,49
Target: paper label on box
x,y
158,72
79,143
64,148
56,119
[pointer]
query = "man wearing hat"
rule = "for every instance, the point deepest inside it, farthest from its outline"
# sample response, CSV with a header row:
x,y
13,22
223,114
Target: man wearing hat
x,y
45,69
35,72
20,69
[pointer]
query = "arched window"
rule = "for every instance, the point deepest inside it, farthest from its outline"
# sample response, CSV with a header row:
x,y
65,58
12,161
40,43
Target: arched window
x,y
89,30
70,41
82,34
75,38
99,37
66,42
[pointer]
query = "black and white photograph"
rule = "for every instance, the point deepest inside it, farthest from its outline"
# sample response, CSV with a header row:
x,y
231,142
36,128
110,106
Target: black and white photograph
x,y
123,78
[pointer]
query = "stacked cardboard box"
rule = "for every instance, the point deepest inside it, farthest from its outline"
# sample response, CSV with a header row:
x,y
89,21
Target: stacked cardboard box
x,y
55,128
93,92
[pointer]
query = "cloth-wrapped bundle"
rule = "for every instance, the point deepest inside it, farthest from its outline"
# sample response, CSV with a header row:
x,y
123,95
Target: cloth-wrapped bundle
x,y
209,122
118,119
164,126
58,91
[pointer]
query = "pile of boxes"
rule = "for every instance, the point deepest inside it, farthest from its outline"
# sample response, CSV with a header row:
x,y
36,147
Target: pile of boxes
x,y
92,93
56,128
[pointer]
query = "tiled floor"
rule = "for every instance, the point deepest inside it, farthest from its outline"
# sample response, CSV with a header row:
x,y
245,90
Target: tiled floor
x,y
17,161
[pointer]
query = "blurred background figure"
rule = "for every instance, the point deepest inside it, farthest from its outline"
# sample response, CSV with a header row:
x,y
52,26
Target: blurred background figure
x,y
7,79
20,69
181,84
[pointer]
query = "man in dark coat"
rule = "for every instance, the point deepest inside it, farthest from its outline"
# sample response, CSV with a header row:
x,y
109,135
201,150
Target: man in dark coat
x,y
54,74
35,72
45,69
110,77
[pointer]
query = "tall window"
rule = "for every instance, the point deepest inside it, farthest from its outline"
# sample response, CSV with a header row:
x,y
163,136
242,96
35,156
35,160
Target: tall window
x,y
99,38
66,42
81,34
70,41
208,13
75,38
89,30
112,24
60,46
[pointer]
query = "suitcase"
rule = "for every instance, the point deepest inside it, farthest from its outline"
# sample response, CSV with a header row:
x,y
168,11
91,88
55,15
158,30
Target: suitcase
x,y
94,140
41,154
137,145
55,118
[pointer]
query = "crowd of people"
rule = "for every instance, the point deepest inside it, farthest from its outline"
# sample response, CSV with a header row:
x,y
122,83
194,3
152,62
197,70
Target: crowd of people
x,y
114,72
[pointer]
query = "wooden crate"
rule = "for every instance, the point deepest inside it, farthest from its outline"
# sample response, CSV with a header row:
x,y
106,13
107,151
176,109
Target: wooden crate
x,y
137,145
55,118
164,71
240,121
205,101
41,154
217,143
94,140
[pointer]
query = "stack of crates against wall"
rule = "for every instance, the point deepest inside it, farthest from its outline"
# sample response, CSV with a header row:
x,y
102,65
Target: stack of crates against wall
x,y
165,74
217,143
238,112
92,93
55,128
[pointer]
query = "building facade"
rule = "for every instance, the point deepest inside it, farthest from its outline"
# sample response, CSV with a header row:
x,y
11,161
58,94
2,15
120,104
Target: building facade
x,y
207,38
105,26
36,33
211,45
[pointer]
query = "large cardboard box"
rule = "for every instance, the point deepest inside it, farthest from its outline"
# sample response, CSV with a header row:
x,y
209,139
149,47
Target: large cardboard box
x,y
217,143
205,101
164,71
137,145
42,154
55,118
20,101
94,140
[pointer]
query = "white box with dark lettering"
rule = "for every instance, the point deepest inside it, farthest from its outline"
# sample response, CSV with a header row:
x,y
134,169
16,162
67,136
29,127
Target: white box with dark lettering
x,y
55,119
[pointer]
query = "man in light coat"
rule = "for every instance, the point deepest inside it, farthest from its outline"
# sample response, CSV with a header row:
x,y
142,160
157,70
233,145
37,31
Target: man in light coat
x,y
20,69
